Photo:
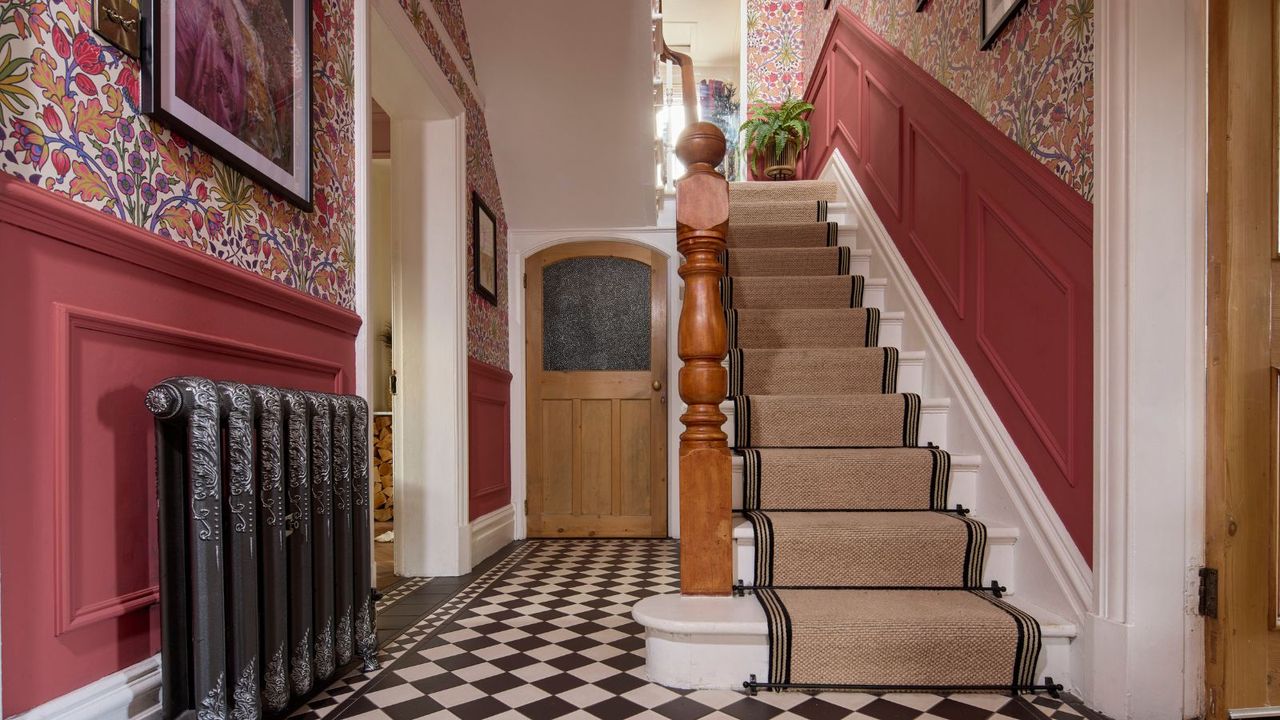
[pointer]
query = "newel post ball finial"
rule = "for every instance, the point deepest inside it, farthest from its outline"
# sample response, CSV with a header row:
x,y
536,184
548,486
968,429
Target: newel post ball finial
x,y
701,147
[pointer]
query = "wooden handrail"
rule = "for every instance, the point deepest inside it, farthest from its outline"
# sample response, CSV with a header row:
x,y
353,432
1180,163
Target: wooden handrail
x,y
688,86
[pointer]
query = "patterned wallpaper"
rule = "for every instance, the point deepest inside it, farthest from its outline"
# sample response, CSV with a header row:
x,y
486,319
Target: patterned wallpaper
x,y
1035,83
486,324
69,122
775,49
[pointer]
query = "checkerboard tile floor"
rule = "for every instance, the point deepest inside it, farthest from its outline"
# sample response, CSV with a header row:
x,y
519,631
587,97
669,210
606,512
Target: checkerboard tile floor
x,y
547,633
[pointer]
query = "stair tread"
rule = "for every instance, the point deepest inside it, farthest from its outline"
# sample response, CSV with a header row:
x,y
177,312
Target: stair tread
x,y
743,615
996,534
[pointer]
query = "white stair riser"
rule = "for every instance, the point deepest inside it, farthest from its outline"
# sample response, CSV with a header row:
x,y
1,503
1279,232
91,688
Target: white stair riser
x,y
1000,560
873,293
963,491
860,262
891,329
933,422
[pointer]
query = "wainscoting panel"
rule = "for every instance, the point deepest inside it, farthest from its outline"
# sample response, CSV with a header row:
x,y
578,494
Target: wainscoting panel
x,y
1002,248
96,312
489,437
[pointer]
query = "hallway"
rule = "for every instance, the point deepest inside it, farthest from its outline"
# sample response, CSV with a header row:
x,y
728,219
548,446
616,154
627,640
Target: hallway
x,y
546,632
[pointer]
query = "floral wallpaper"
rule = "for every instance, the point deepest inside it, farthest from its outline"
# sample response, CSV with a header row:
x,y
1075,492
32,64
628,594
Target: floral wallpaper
x,y
70,123
775,49
450,12
486,323
1035,83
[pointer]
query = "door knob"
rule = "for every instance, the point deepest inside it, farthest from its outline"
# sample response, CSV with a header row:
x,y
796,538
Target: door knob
x,y
657,384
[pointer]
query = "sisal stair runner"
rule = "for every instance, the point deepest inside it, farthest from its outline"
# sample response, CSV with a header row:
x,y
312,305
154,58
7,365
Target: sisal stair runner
x,y
868,580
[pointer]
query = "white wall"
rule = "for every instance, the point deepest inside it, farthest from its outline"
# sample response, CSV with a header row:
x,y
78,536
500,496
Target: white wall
x,y
568,99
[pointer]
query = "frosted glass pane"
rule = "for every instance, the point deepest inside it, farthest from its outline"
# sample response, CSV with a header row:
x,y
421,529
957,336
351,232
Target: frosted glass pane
x,y
595,315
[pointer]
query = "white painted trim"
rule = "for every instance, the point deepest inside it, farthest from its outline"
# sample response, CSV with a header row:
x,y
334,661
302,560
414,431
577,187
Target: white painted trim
x,y
490,533
130,694
366,356
1008,490
520,245
428,128
1143,650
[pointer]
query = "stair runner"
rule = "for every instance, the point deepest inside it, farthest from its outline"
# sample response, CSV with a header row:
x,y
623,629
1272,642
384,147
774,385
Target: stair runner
x,y
865,576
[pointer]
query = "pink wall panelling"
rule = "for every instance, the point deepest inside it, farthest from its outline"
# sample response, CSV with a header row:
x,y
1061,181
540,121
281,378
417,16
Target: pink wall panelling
x,y
102,311
489,438
1035,83
1001,246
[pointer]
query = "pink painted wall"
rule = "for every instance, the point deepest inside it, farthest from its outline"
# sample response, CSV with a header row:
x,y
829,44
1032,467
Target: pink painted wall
x,y
1001,246
1035,84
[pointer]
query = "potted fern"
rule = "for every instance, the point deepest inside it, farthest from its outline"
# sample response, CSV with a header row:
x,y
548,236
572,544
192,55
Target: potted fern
x,y
776,135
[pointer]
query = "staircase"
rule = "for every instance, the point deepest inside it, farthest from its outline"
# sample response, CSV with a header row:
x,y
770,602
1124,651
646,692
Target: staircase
x,y
857,536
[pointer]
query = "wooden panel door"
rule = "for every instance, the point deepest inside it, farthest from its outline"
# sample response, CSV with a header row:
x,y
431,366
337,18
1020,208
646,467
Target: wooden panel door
x,y
596,350
1242,630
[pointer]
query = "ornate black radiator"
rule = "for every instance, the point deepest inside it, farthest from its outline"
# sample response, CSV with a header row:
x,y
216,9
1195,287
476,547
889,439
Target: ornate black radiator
x,y
266,584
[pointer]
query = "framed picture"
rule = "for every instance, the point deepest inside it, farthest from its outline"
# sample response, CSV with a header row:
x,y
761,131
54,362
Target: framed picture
x,y
234,77
484,238
995,15
920,5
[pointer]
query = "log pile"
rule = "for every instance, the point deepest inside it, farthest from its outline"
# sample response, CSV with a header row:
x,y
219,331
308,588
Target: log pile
x,y
383,495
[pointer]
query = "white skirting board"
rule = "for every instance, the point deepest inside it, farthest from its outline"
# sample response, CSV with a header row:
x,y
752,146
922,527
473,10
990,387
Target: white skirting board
x,y
130,694
491,533
1052,572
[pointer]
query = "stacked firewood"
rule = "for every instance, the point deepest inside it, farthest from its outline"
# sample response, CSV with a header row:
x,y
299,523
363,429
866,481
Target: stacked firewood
x,y
383,495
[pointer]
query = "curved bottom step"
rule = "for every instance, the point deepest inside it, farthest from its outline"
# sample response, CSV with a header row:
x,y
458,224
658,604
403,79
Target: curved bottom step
x,y
719,642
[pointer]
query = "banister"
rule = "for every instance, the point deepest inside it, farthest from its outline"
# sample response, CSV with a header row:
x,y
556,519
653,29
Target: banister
x,y
702,221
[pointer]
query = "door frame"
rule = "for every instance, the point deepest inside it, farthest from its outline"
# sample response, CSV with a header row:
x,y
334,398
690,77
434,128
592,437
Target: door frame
x,y
522,244
660,359
433,536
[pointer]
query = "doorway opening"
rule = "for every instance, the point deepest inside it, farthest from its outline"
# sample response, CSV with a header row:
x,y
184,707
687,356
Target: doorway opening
x,y
410,270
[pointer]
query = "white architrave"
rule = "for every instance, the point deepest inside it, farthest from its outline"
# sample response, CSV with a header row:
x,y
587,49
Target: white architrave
x,y
1143,647
428,129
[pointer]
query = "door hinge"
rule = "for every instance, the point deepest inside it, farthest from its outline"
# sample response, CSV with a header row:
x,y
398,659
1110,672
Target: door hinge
x,y
526,507
525,279
392,381
1209,592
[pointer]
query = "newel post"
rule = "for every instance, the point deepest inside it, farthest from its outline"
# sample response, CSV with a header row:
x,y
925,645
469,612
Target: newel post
x,y
702,219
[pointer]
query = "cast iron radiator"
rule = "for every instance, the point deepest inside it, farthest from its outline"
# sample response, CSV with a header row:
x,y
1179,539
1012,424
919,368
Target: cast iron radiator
x,y
266,584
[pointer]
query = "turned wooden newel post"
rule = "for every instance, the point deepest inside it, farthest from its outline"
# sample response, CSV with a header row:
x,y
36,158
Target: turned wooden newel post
x,y
702,219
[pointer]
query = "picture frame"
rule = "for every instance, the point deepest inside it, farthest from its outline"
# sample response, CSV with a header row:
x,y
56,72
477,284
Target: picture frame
x,y
994,15
484,243
920,5
242,94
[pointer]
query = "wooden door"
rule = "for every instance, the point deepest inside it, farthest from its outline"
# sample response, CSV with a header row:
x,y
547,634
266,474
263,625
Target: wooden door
x,y
596,354
1242,640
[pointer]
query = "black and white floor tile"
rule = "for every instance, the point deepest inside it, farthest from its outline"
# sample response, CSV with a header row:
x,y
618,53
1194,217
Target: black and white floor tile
x,y
546,632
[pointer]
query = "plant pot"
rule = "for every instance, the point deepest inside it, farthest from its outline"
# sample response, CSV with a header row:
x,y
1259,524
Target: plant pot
x,y
784,167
